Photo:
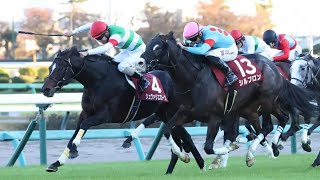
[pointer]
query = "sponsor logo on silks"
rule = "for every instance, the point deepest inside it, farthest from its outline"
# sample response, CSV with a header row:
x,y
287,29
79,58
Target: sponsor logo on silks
x,y
154,92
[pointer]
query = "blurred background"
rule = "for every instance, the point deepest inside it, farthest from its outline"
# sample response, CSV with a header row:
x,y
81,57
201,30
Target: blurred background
x,y
25,58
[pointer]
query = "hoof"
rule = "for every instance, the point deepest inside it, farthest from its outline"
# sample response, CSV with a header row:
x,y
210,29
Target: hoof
x,y
250,162
315,164
187,159
216,163
275,149
234,147
203,169
73,154
306,147
126,144
280,147
53,167
213,166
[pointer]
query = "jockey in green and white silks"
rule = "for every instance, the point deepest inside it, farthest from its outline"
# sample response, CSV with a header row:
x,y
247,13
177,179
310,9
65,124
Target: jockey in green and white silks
x,y
129,42
251,44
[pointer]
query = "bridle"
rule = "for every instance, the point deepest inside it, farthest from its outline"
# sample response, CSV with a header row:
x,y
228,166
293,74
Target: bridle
x,y
64,81
155,62
313,78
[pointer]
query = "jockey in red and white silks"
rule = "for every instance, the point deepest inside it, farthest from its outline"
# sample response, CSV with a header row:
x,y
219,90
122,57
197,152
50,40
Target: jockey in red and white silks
x,y
289,47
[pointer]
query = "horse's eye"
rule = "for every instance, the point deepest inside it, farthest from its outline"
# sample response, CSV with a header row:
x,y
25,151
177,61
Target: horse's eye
x,y
303,68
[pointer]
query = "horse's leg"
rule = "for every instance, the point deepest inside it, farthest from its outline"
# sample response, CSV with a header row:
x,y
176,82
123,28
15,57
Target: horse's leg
x,y
181,114
134,134
254,119
294,126
172,164
282,118
176,136
213,128
70,151
188,142
305,136
179,133
231,126
316,162
267,128
252,134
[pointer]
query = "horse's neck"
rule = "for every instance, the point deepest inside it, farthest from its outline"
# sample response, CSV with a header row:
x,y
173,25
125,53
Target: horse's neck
x,y
188,70
95,72
316,68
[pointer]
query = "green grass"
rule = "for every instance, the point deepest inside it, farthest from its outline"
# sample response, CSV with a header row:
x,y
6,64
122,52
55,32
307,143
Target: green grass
x,y
288,167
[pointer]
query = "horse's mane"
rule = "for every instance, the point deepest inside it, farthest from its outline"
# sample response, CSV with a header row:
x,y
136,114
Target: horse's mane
x,y
74,50
195,57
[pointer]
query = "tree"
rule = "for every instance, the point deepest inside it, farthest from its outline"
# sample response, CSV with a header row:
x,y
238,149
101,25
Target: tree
x,y
7,35
219,14
76,18
160,22
40,20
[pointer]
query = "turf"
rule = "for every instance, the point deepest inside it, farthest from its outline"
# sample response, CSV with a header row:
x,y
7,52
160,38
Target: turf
x,y
287,167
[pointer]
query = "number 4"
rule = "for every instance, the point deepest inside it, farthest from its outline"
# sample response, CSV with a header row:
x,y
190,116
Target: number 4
x,y
155,86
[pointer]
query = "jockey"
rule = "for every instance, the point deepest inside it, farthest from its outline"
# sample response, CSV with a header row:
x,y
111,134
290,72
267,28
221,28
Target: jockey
x,y
216,44
129,42
289,46
251,44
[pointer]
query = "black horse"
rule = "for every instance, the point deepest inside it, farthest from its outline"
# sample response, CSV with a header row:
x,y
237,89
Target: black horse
x,y
305,73
207,102
107,98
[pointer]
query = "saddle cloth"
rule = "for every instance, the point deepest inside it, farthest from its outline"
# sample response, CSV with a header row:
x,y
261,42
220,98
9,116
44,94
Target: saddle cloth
x,y
246,71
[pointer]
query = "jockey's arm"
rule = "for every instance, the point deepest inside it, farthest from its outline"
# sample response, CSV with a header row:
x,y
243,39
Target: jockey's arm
x,y
104,48
81,29
201,50
250,45
286,51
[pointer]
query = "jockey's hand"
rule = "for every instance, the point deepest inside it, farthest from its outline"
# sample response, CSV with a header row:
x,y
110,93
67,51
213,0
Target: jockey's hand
x,y
181,45
83,54
68,34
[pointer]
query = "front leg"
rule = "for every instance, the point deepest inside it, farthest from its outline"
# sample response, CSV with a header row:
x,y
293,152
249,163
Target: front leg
x,y
70,151
134,134
181,115
84,123
213,128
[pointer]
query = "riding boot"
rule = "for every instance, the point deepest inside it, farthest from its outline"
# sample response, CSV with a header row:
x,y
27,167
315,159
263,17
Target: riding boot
x,y
143,83
230,76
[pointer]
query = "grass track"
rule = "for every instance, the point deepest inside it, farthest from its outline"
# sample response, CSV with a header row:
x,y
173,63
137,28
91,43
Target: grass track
x,y
287,167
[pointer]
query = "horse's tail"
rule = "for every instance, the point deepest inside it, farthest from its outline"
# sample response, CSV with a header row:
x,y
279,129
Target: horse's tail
x,y
291,97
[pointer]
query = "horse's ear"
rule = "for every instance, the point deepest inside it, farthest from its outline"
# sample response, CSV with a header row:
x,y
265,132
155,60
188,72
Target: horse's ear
x,y
171,34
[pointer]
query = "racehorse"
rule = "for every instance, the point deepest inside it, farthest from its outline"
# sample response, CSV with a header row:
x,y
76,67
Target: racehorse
x,y
208,97
303,76
107,98
305,73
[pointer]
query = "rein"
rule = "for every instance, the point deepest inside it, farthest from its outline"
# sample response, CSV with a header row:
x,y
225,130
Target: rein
x,y
64,82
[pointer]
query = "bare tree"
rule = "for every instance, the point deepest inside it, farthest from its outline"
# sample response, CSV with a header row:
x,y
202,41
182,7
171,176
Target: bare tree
x,y
160,21
40,20
7,35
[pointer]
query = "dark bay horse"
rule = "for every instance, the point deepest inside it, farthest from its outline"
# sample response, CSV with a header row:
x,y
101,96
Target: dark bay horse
x,y
305,72
107,98
208,98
